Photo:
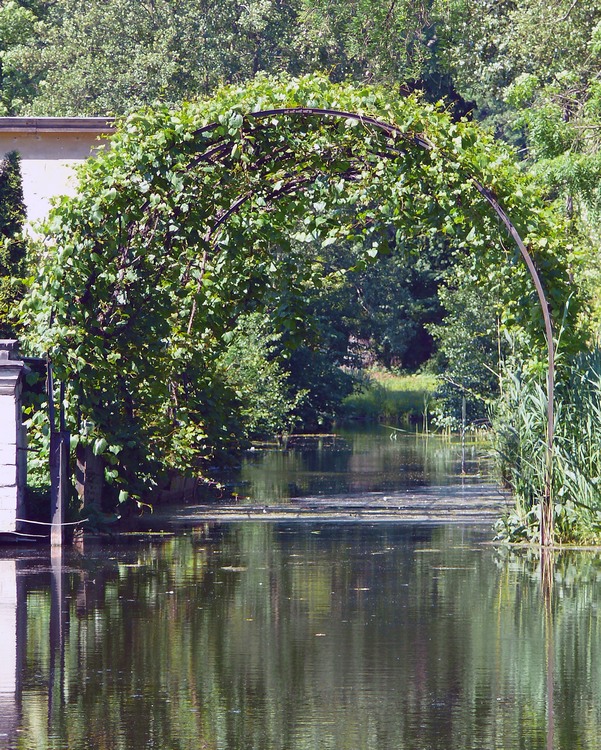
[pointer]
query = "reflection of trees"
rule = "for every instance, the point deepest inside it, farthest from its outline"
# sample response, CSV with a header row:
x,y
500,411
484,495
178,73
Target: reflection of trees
x,y
355,462
256,635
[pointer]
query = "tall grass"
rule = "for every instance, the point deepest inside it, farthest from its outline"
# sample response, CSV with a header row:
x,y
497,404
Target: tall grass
x,y
395,399
520,440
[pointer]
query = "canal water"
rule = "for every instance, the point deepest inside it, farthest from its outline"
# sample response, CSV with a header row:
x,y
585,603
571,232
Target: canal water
x,y
379,474
310,634
352,462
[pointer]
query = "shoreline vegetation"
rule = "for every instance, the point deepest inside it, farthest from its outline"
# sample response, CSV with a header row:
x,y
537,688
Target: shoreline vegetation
x,y
409,400
398,399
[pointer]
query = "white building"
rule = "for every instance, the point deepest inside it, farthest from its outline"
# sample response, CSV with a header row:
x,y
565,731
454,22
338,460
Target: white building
x,y
50,149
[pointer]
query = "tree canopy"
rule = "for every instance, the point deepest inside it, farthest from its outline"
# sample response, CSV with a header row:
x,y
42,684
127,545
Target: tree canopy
x,y
12,242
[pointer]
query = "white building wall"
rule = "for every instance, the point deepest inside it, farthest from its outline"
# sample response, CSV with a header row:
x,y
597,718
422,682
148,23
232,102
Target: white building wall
x,y
51,149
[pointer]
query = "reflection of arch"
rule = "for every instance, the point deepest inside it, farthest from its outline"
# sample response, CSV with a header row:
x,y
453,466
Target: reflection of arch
x,y
392,131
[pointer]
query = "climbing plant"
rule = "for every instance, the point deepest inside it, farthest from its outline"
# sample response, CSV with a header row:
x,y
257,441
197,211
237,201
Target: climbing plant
x,y
12,241
193,216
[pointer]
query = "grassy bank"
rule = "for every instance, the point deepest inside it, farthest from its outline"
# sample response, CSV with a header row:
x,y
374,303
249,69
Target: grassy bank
x,y
395,399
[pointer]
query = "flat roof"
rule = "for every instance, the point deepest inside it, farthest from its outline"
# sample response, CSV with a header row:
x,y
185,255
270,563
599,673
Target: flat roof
x,y
57,124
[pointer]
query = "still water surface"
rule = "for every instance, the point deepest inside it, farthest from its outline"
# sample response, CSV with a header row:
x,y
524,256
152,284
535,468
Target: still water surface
x,y
300,636
380,460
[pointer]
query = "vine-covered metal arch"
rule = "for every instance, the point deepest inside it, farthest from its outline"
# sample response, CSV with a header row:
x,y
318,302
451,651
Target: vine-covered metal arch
x,y
392,131
176,198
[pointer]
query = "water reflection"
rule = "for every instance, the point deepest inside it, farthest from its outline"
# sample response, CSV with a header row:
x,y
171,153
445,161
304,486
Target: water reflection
x,y
308,636
353,462
8,650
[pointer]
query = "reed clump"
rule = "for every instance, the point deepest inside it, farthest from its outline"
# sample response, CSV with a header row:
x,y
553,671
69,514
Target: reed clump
x,y
520,430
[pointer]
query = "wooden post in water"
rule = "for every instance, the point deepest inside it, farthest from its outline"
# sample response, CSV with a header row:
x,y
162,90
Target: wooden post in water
x,y
89,477
59,462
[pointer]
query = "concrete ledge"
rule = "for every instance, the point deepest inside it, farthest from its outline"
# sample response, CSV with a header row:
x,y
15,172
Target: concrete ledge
x,y
57,124
7,450
7,520
8,495
9,374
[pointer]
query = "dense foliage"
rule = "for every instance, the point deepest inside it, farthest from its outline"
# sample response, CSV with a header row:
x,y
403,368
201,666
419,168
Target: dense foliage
x,y
151,376
266,405
12,243
74,57
530,69
193,217
470,355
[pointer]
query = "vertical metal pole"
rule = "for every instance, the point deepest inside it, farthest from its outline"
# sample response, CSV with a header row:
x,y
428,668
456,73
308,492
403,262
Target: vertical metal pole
x,y
546,516
56,506
56,450
64,452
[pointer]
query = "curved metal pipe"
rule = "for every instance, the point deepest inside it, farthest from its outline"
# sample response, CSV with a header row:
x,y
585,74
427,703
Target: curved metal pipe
x,y
546,520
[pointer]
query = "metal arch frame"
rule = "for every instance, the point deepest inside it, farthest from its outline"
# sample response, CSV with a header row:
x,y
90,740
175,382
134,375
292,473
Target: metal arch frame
x,y
546,519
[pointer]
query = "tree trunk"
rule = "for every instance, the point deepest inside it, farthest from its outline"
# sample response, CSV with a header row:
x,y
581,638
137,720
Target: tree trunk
x,y
89,477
